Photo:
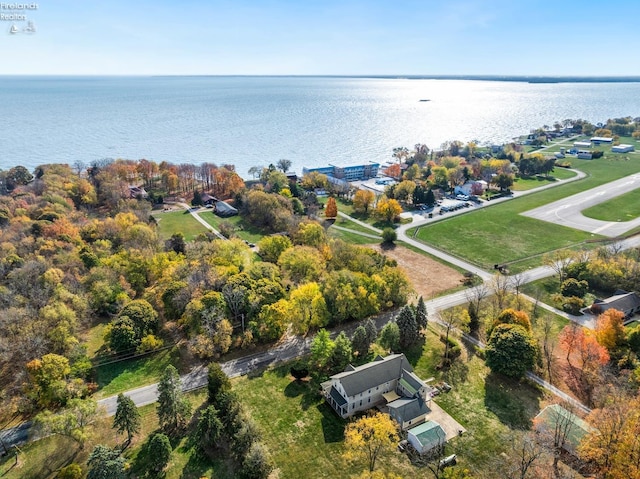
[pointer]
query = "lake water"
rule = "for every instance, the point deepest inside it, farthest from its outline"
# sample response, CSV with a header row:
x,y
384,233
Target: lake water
x,y
251,121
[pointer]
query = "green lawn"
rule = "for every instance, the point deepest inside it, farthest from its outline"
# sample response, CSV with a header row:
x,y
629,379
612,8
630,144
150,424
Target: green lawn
x,y
346,223
178,222
499,234
522,184
132,373
625,207
243,229
350,237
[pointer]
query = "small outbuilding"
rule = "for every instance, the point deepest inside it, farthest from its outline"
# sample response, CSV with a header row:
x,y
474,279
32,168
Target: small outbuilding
x,y
427,437
622,148
225,209
582,144
557,420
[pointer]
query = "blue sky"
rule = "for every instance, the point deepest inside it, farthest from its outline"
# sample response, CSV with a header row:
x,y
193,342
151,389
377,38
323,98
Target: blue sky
x,y
334,37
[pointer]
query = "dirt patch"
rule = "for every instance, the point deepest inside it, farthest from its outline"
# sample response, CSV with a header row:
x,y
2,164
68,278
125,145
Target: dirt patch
x,y
428,277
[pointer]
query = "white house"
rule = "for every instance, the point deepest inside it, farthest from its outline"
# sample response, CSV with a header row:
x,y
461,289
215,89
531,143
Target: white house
x,y
601,139
427,436
582,144
468,188
364,387
622,148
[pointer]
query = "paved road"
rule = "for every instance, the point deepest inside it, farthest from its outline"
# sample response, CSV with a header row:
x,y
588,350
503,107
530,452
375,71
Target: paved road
x,y
568,211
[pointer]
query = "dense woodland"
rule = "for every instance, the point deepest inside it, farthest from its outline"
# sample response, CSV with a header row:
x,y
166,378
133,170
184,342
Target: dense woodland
x,y
77,250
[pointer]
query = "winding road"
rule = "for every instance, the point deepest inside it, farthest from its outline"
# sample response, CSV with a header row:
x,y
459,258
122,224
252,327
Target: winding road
x,y
294,347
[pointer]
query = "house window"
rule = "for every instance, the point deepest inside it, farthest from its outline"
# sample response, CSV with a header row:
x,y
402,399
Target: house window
x,y
369,391
360,402
377,387
369,399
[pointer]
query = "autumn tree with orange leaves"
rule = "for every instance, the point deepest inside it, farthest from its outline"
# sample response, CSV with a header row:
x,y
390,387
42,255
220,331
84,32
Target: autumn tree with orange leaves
x,y
581,344
613,447
610,331
331,210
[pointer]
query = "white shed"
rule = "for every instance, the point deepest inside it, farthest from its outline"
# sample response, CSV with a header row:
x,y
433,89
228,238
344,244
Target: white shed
x,y
622,148
427,436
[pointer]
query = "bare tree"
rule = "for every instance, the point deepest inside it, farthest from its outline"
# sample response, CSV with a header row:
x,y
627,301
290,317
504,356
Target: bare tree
x,y
548,344
559,261
501,288
518,280
476,294
555,433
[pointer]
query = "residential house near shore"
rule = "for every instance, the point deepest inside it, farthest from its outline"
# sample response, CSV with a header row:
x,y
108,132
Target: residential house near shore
x,y
387,380
628,303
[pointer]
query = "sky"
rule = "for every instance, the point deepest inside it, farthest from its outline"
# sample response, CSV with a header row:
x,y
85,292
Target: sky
x,y
323,37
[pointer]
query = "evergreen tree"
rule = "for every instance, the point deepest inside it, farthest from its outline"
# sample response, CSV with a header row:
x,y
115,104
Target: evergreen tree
x,y
342,352
408,326
173,408
197,198
127,418
209,428
256,463
421,314
372,330
430,198
105,463
160,448
390,337
360,342
217,381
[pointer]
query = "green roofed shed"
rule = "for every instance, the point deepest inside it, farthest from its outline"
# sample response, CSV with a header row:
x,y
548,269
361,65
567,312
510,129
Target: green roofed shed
x,y
426,436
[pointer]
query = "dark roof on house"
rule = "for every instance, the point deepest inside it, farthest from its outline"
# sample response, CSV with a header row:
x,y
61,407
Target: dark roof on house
x,y
621,300
406,409
225,209
337,397
372,374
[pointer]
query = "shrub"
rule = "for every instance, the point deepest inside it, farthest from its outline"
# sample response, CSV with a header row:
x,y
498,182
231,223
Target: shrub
x,y
389,235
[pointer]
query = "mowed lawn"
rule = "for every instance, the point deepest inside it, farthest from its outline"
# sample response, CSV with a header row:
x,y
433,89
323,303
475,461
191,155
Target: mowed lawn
x,y
242,229
623,208
181,221
522,184
499,234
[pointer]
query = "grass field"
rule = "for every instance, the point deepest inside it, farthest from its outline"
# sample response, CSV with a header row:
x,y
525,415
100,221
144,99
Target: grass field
x,y
622,208
522,184
499,234
178,221
353,238
42,459
132,373
243,230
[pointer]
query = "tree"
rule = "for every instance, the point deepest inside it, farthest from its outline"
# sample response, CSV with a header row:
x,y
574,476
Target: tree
x,y
197,198
360,341
610,331
370,438
388,209
503,181
421,314
271,247
557,431
331,210
160,448
389,235
127,417
511,350
321,349
390,337
217,381
408,326
176,243
256,463
302,263
106,463
173,408
362,201
71,422
308,308
283,165
573,287
342,352
430,198
72,471
372,330
209,429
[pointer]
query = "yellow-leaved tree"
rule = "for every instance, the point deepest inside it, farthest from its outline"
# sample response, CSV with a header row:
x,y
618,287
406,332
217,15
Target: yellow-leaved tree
x,y
370,438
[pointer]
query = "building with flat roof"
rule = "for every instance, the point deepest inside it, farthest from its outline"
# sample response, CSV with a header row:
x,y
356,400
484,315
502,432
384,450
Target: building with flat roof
x,y
622,148
347,173
601,139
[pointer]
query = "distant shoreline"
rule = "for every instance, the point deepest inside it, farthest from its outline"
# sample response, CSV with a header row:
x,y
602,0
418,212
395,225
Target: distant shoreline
x,y
496,78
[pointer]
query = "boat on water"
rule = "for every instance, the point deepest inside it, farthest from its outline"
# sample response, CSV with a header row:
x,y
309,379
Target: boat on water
x,y
425,100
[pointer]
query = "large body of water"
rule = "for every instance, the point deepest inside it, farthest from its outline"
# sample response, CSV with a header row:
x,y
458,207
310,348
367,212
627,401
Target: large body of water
x,y
251,121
